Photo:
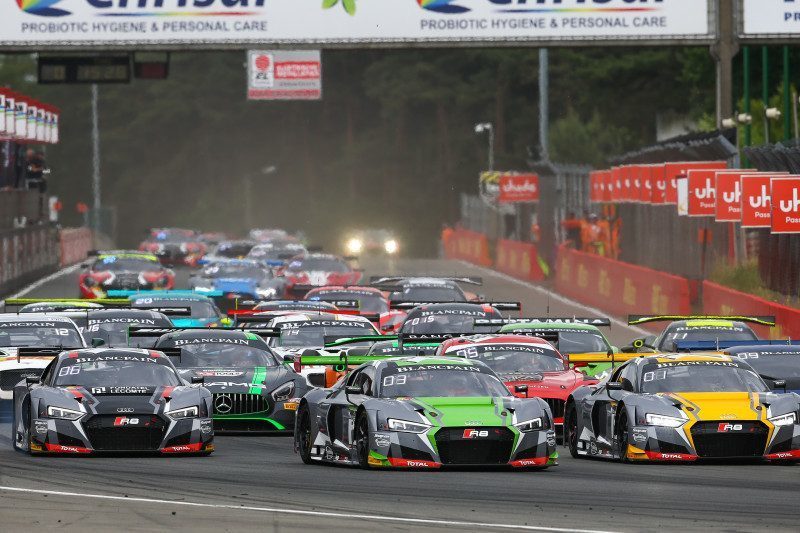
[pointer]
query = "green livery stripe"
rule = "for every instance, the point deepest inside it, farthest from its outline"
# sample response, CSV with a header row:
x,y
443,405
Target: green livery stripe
x,y
258,379
275,423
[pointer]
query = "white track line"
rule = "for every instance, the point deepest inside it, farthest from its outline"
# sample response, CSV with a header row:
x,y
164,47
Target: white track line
x,y
296,512
36,284
554,296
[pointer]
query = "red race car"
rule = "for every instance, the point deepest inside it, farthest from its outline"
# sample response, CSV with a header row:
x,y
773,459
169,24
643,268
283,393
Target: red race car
x,y
124,270
318,270
523,361
175,246
371,302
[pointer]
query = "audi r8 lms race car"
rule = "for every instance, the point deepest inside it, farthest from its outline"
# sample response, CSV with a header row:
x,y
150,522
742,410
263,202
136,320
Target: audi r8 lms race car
x,y
776,363
683,407
697,328
28,342
111,400
423,412
111,326
253,391
454,317
426,289
318,270
529,365
231,280
203,312
372,241
134,271
175,246
370,300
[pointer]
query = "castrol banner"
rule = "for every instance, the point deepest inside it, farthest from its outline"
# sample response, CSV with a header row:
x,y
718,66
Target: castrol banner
x,y
786,204
518,188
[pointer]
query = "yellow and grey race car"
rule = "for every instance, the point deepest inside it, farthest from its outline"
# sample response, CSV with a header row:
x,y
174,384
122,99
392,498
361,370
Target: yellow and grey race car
x,y
683,408
694,328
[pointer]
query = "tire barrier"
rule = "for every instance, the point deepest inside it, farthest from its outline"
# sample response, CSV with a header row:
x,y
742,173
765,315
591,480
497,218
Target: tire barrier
x,y
74,245
719,300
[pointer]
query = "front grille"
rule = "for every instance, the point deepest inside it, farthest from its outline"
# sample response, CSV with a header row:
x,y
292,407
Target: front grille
x,y
125,281
9,378
104,436
454,449
711,441
239,404
556,406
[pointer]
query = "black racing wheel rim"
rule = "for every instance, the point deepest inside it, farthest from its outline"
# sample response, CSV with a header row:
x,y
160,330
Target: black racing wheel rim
x,y
622,435
304,434
362,440
572,430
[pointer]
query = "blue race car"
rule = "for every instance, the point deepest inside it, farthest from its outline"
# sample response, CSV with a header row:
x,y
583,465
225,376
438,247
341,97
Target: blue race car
x,y
238,279
204,312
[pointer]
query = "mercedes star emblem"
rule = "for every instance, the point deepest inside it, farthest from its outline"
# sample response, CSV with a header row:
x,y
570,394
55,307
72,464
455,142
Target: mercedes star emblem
x,y
223,404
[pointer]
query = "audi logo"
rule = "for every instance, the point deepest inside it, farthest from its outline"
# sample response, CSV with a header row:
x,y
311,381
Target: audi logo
x,y
125,410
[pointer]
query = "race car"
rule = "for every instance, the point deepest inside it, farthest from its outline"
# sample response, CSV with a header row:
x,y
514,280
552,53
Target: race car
x,y
318,270
228,250
268,235
28,342
372,241
579,339
54,306
237,280
111,400
203,311
427,289
253,391
276,253
524,363
123,271
175,246
777,362
423,412
683,407
371,300
454,317
694,328
111,326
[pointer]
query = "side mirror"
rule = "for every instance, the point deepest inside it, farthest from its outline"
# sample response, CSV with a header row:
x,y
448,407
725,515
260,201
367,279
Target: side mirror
x,y
32,380
614,385
521,389
288,359
779,384
352,389
97,342
198,380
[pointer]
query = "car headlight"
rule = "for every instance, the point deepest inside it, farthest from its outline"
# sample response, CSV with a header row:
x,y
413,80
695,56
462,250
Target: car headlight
x,y
284,392
390,246
63,414
354,245
407,427
529,425
186,412
664,420
784,420
266,293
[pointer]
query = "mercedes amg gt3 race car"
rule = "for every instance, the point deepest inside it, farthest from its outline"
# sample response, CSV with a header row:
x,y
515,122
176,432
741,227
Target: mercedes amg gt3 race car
x,y
683,407
253,391
423,412
111,400
318,270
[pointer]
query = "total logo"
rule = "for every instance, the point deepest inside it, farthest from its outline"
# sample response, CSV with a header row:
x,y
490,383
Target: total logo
x,y
146,8
452,7
475,434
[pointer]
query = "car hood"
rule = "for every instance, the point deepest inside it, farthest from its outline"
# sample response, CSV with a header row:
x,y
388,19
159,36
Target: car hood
x,y
559,383
458,411
240,380
112,400
720,405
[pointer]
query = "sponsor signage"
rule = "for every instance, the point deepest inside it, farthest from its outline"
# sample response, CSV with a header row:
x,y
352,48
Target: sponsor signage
x,y
729,196
646,183
756,201
658,181
675,170
284,75
702,193
682,191
36,24
770,17
786,204
518,188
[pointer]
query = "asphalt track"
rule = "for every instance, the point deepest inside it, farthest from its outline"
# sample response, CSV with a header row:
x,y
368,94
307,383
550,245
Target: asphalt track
x,y
259,483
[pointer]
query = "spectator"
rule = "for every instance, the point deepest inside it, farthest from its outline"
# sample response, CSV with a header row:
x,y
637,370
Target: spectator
x,y
572,230
592,239
35,169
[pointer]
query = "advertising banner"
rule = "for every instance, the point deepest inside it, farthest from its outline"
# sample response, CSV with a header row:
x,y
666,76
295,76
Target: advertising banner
x,y
659,184
284,75
2,112
702,193
756,201
11,111
770,17
21,116
674,170
729,196
682,193
93,23
646,179
786,204
518,188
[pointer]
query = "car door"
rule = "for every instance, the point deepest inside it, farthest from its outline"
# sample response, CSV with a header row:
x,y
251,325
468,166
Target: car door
x,y
343,406
603,410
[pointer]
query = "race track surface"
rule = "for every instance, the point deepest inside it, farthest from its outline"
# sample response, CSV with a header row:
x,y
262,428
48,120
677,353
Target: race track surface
x,y
257,483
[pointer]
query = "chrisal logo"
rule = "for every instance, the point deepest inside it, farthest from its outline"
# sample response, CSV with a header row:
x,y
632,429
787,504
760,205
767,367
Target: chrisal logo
x,y
519,188
786,204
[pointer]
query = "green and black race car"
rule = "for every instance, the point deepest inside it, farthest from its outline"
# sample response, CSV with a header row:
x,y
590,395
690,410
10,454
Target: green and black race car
x,y
422,412
694,328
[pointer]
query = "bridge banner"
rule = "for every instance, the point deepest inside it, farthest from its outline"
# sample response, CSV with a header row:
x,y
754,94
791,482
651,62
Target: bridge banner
x,y
37,24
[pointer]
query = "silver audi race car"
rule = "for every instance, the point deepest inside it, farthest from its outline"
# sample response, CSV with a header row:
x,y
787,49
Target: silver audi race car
x,y
112,400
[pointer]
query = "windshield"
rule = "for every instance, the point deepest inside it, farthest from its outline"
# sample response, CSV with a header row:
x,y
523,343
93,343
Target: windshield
x,y
200,309
582,342
439,381
116,333
126,264
222,270
116,371
774,365
700,377
41,335
299,336
514,359
710,334
367,303
221,354
233,250
318,265
276,252
446,324
429,294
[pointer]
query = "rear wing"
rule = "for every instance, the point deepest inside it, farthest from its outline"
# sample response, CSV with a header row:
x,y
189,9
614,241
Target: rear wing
x,y
134,331
38,352
500,306
404,338
550,336
105,302
340,362
635,320
613,358
705,346
119,293
169,311
394,280
592,321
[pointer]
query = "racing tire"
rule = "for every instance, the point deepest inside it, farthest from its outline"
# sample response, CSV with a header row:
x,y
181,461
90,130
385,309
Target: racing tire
x,y
571,430
303,431
361,438
622,435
